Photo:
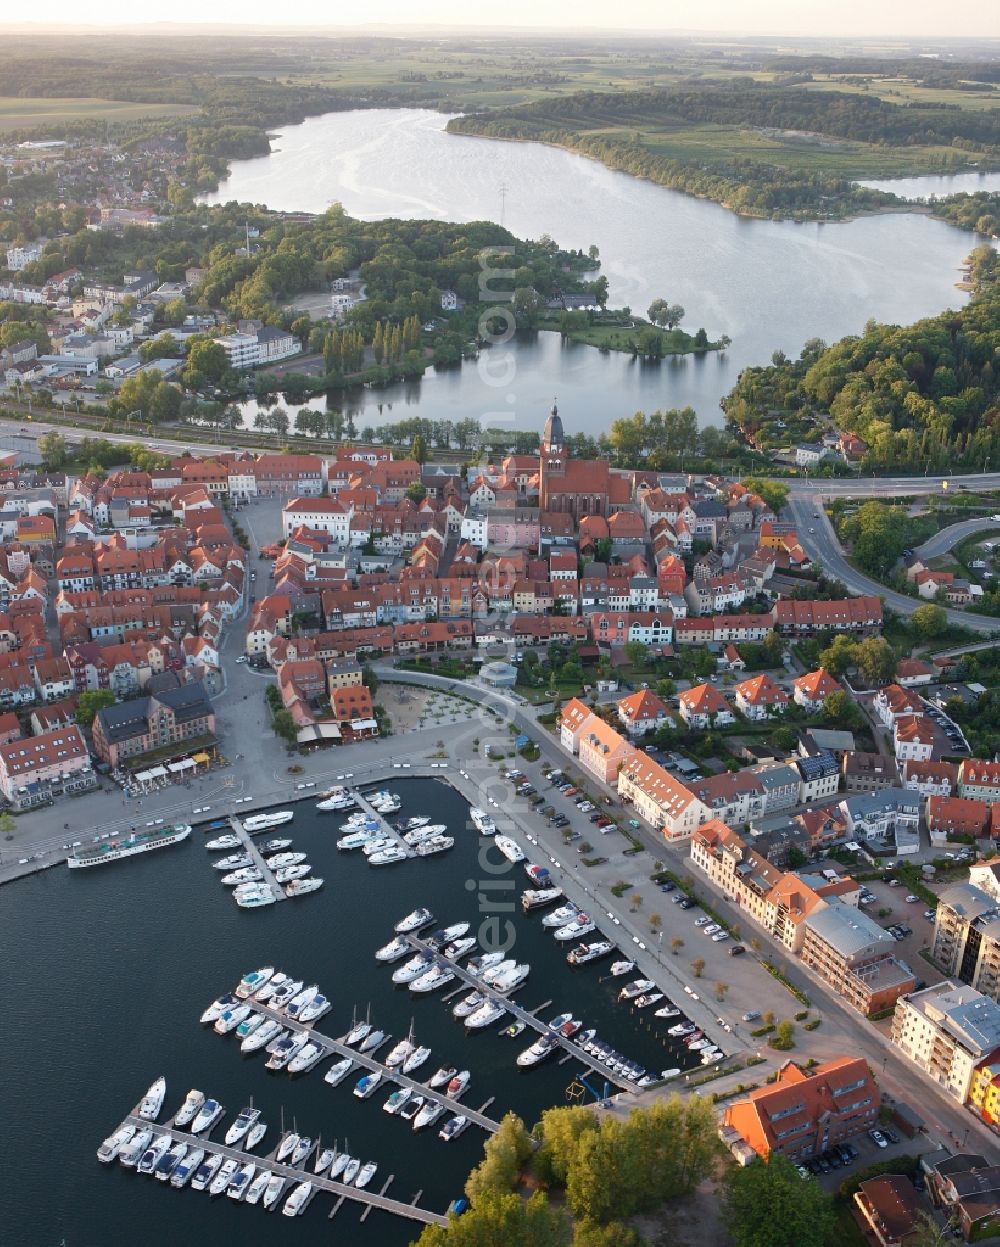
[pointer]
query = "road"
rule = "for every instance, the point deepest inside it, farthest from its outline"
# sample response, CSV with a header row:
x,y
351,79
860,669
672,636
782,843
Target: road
x,y
951,536
817,536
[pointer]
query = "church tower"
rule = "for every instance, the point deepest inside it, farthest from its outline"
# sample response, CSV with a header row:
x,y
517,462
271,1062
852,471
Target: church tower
x,y
552,457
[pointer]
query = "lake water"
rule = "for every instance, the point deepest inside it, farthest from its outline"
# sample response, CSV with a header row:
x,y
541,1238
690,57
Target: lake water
x,y
767,284
106,973
938,186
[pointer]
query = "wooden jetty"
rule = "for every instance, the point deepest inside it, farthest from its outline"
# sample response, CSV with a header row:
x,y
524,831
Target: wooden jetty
x,y
277,891
385,827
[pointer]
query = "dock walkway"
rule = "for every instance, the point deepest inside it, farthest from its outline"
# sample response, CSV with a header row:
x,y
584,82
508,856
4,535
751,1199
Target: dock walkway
x,y
246,839
295,1174
368,1062
529,1018
385,826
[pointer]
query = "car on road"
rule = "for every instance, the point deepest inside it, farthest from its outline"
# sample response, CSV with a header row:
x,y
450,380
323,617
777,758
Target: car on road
x,y
242,658
878,1138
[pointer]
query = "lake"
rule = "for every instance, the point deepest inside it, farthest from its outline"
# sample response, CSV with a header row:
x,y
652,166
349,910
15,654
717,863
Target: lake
x,y
107,971
767,284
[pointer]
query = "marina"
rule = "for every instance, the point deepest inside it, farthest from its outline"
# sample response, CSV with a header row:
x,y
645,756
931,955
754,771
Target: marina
x,y
386,828
249,846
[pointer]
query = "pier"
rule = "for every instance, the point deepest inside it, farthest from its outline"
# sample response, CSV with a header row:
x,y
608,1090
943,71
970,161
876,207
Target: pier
x,y
385,827
295,1174
246,840
368,1062
529,1018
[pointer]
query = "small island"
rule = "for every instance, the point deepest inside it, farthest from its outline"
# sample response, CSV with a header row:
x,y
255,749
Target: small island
x,y
620,330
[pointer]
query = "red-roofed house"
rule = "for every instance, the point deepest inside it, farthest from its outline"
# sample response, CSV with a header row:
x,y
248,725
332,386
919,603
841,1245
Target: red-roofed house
x,y
950,817
602,749
571,722
642,712
812,690
892,701
912,738
760,697
703,707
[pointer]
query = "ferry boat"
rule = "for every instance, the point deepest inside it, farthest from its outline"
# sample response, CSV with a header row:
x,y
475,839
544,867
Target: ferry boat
x,y
538,898
128,846
152,1101
301,887
262,822
509,849
482,822
584,953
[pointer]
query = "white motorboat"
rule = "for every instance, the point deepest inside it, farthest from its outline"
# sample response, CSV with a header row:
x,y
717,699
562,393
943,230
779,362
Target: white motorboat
x,y
514,1029
248,874
620,968
538,898
681,1029
359,818
252,983
256,1133
241,1126
435,844
425,832
413,969
394,950
635,988
300,1000
286,1147
398,1054
270,988
192,1103
388,857
336,1074
152,1101
208,1115
230,1019
249,1025
648,998
441,1077
468,1004
306,1057
458,1084
667,1011
438,939
582,924
436,978
478,966
169,1161
368,1085
585,953
378,845
222,842
414,921
257,1187
206,1171
543,1046
457,950
336,801
351,1170
385,802
368,1171
324,1159
396,1100
257,897
114,1143
509,849
430,1111
374,1040
151,1156
262,1036
222,1179
275,846
497,971
236,862
286,992
214,1010
286,874
492,1011
315,1008
339,1164
509,982
414,1061
277,860
298,1199
412,1107
559,917
273,1191
302,887
452,1128
131,1152
482,822
358,838
286,1049
264,822
410,824
239,1185
186,1170
301,1150
696,1045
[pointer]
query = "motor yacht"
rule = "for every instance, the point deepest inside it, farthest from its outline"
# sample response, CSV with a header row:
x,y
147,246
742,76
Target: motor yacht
x,y
277,860
214,1010
414,921
286,992
621,968
222,842
445,935
114,1143
453,1128
350,1170
430,1111
343,802
206,1171
647,999
540,876
368,1085
264,822
132,1151
585,953
509,982
236,862
419,834
538,898
414,1061
581,925
413,969
285,1148
241,1126
286,874
294,1007
258,895
336,1074
306,1057
261,1036
275,846
257,1187
635,988
271,987
315,1008
388,857
208,1115
241,1182
358,838
492,1011
696,1045
398,1054
249,1025
230,1019
368,1171
252,983
376,1038
394,950
152,1101
192,1103
681,1029
255,1135
169,1161
435,978
543,1046
478,966
561,916
482,822
410,824
435,844
298,1199
509,849
378,845
412,1107
302,887
441,1077
273,1191
248,874
468,1004
301,1150
385,802
151,1156
396,1100
458,1084
667,1011
499,968
286,1049
693,1037
186,1170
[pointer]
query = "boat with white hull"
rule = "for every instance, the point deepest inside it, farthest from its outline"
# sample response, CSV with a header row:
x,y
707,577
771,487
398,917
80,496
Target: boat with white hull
x,y
120,847
263,822
152,1101
509,849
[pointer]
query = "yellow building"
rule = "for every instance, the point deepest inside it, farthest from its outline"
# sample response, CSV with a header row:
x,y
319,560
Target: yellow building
x,y
984,1092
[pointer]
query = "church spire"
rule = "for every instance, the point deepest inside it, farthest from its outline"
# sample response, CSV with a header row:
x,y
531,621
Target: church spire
x,y
552,437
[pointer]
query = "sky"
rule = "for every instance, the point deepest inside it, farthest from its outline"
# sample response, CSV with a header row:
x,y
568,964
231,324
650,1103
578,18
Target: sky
x,y
910,19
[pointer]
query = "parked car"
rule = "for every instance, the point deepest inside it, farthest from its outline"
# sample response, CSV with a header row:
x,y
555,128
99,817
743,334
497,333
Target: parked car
x,y
754,1014
688,903
737,950
911,899
878,1138
719,936
711,929
891,1135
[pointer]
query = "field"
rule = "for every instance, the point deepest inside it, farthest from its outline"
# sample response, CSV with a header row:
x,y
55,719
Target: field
x,y
19,113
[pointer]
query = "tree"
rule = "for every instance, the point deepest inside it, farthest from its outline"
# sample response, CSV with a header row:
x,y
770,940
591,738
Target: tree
x,y
929,621
876,659
658,311
284,726
90,702
784,1036
768,1205
774,493
502,1217
504,1153
416,492
676,944
840,709
720,990
7,823
637,653
655,921
206,363
52,450
697,966
838,656
418,450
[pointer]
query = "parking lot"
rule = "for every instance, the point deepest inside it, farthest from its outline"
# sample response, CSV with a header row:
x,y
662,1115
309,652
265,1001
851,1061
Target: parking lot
x,y
867,1152
905,917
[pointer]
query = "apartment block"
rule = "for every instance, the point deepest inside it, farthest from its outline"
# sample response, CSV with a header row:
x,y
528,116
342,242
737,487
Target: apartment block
x,y
967,937
948,1031
852,953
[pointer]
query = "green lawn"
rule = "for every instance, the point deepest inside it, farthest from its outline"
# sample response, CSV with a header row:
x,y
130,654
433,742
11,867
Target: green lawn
x,y
624,337
17,113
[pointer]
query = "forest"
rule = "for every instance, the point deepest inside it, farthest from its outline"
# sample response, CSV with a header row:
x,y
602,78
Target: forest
x,y
924,397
